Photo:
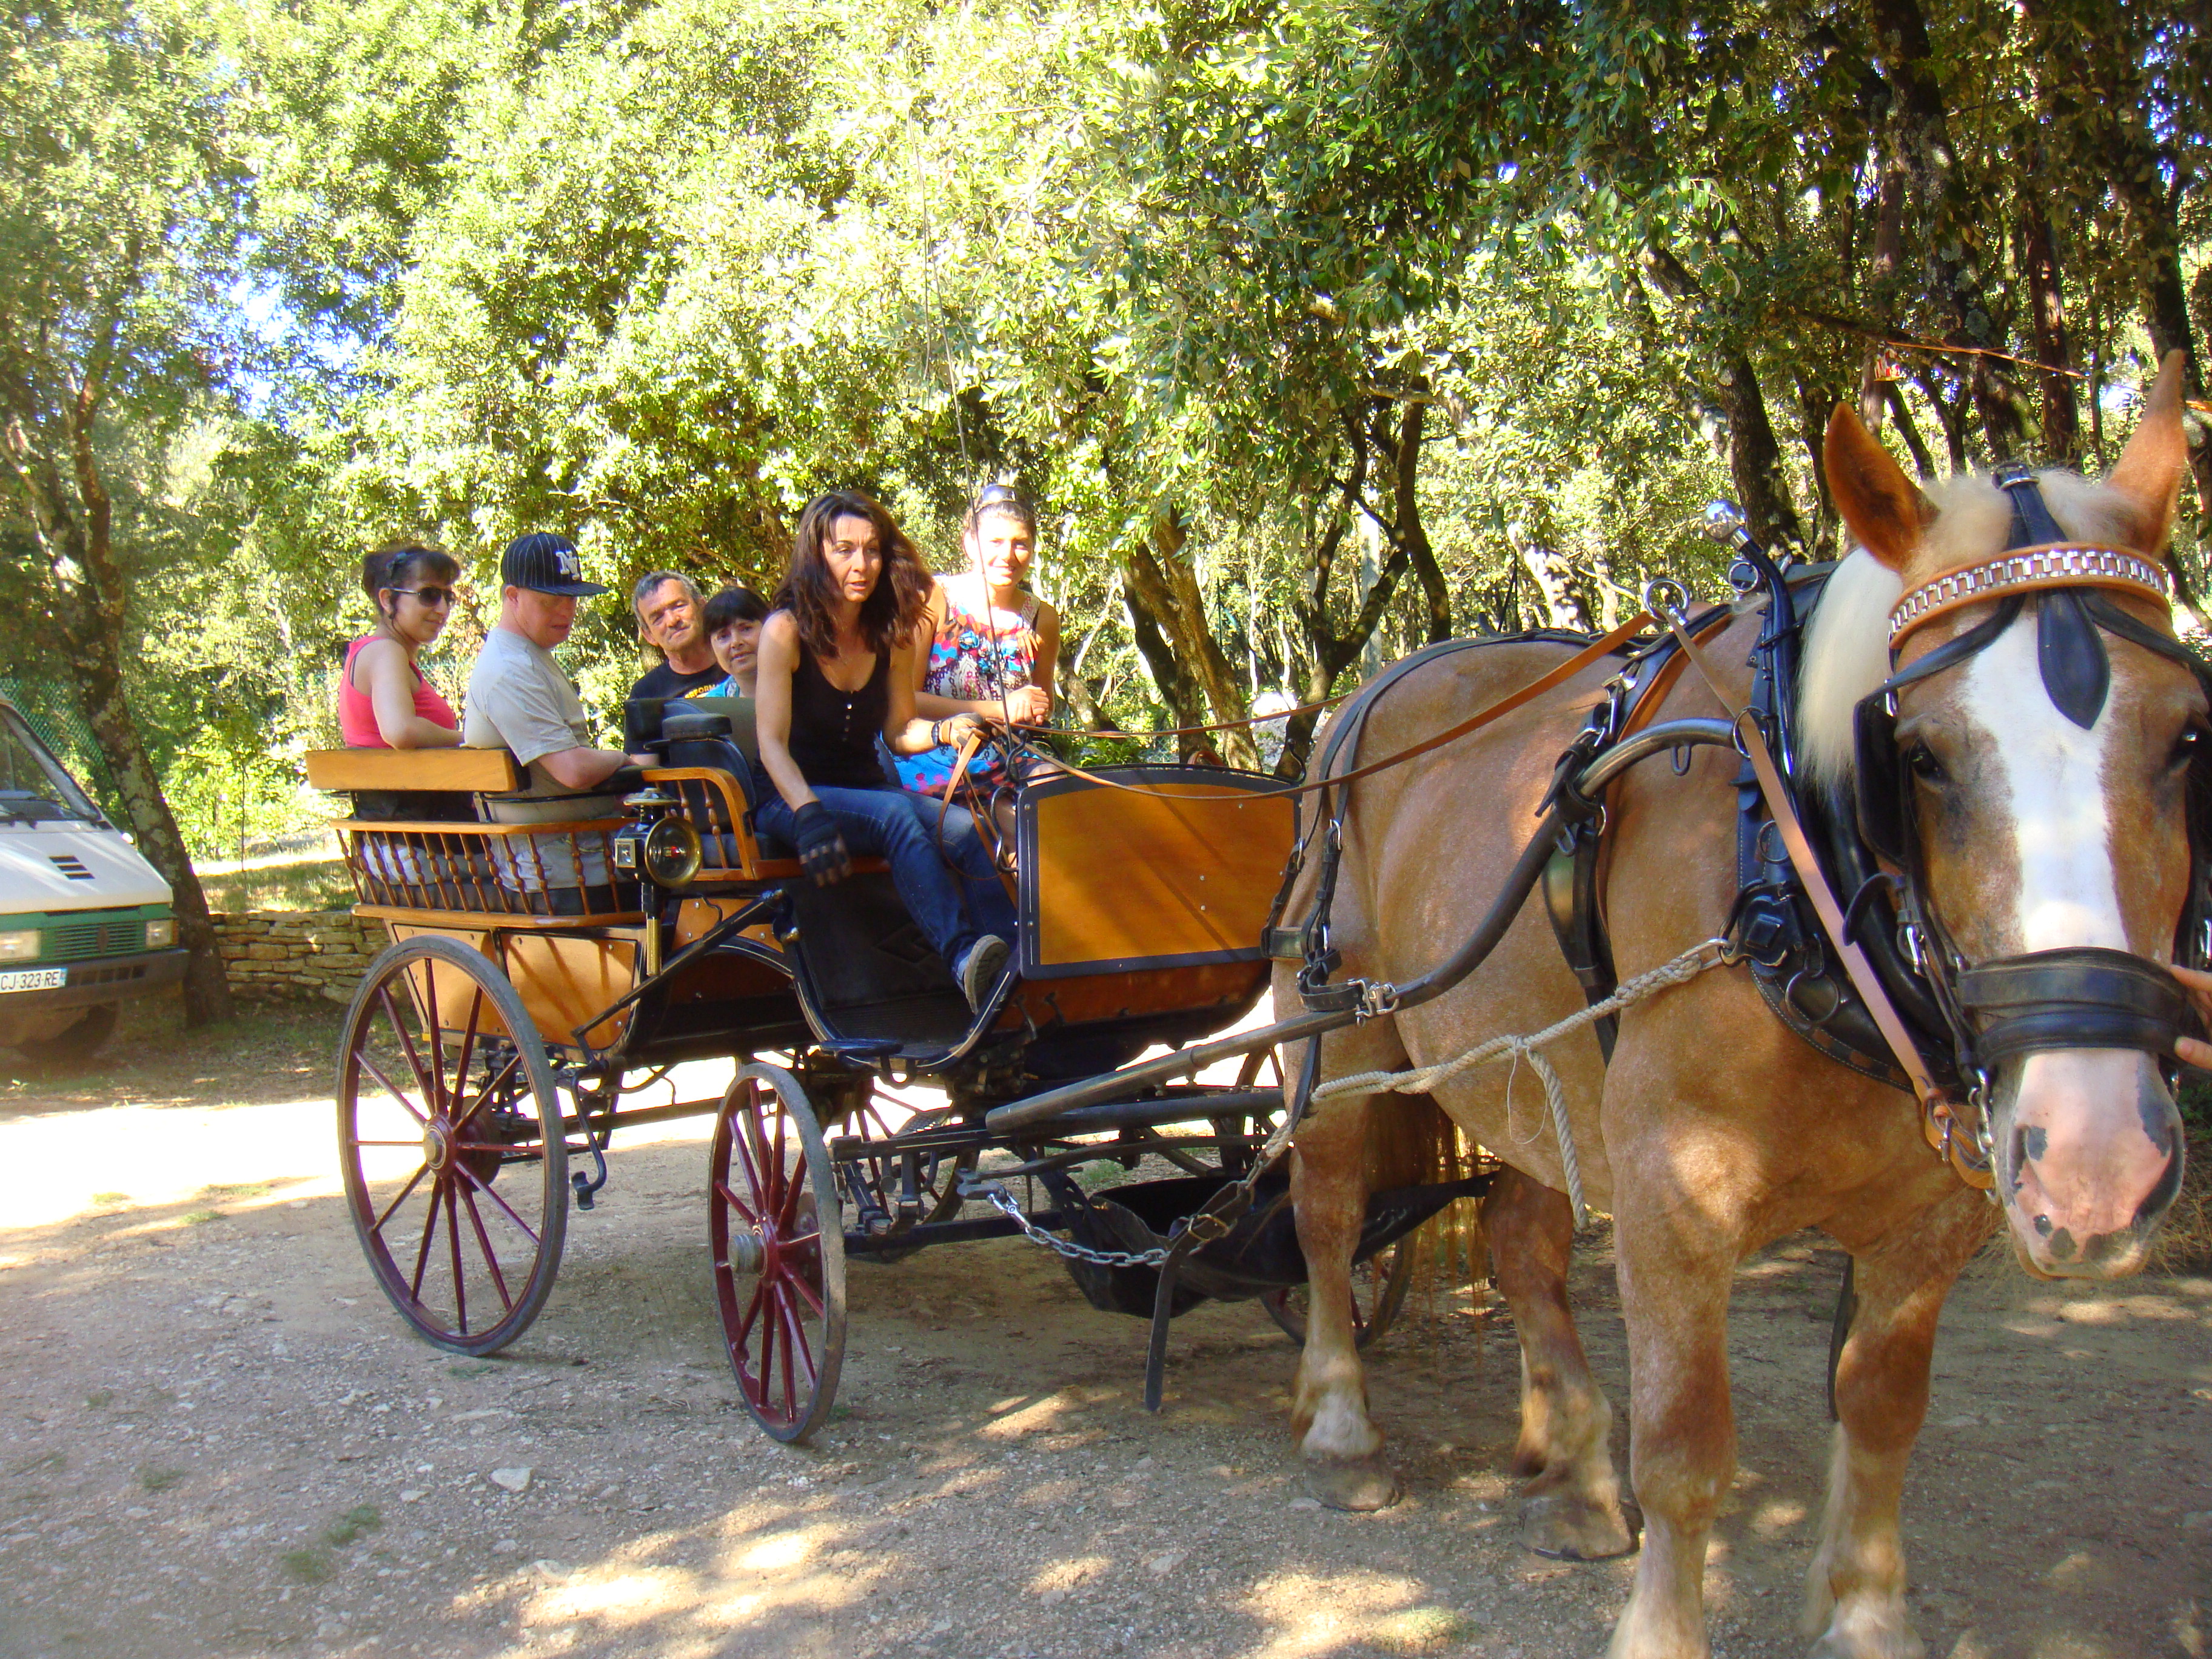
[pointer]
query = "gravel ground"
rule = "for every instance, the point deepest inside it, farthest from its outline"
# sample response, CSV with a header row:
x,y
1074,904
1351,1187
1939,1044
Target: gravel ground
x,y
217,1439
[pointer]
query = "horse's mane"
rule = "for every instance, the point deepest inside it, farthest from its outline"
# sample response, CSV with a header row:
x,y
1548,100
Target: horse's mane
x,y
1847,648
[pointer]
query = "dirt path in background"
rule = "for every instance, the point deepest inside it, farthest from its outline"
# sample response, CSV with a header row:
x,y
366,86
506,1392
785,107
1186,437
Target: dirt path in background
x,y
216,1440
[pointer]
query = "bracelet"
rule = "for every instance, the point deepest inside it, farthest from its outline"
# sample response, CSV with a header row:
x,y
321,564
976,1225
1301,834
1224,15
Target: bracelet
x,y
936,736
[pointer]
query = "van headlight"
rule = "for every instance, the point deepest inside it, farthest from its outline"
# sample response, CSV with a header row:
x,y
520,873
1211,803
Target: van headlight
x,y
159,935
19,947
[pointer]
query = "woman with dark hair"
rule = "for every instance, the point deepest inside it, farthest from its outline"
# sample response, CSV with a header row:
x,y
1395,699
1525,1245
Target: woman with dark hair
x,y
384,700
733,621
835,670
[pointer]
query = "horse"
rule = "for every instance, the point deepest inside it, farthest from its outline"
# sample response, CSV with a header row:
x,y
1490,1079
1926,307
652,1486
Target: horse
x,y
1714,1130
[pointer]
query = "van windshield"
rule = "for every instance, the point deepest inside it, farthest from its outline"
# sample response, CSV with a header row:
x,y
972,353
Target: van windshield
x,y
34,786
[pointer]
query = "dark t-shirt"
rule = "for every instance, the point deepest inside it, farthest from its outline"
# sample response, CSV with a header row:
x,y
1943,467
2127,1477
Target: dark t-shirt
x,y
640,714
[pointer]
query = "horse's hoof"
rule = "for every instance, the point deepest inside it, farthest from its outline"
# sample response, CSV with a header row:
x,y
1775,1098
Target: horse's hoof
x,y
1571,1529
1359,1484
1875,1629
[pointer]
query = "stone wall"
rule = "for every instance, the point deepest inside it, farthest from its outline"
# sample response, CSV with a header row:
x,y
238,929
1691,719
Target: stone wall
x,y
296,956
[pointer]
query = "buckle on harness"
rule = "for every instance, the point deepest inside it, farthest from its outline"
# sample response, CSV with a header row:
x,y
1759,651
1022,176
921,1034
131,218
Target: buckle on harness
x,y
1376,998
1285,943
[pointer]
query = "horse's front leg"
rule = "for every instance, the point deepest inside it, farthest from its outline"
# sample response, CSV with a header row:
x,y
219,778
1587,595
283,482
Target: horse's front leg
x,y
1855,1592
1677,1240
1341,1446
1572,1506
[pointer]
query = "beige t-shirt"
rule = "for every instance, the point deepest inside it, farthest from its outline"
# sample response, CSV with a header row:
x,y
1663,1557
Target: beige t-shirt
x,y
520,700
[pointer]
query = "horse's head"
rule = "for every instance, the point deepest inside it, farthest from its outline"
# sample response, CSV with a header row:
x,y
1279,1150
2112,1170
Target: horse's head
x,y
2042,808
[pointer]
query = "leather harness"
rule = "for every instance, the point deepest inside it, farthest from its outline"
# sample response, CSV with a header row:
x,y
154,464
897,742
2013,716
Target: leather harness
x,y
1961,1021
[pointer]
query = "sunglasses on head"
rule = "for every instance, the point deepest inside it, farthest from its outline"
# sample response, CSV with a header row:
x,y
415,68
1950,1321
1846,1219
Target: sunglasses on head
x,y
1000,495
430,596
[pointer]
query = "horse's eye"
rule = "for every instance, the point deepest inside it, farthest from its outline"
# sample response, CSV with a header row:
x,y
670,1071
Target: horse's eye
x,y
1925,767
2189,747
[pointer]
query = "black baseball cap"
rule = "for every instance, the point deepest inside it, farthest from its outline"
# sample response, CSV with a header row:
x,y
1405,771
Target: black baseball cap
x,y
546,563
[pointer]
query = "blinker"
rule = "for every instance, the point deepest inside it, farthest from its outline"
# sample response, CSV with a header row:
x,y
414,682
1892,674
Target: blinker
x,y
2068,650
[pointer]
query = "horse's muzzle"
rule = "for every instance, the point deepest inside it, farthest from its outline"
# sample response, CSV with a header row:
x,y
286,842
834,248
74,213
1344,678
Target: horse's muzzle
x,y
2088,1152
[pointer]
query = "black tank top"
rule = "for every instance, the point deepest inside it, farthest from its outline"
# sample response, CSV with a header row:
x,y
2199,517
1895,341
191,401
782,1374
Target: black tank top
x,y
833,733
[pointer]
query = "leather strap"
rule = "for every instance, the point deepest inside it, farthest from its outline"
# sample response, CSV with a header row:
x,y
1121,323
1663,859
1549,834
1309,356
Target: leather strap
x,y
1942,1121
1595,651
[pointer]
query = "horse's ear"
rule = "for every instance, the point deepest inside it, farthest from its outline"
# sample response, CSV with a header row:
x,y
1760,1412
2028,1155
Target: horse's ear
x,y
2148,473
1886,512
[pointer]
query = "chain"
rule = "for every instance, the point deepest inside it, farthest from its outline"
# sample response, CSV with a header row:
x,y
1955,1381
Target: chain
x,y
1000,1199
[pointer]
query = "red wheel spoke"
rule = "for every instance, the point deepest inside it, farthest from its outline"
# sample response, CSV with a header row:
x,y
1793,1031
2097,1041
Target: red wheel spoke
x,y
805,1290
483,1094
406,1038
391,1088
421,1170
478,1184
730,1196
745,1129
468,1044
454,1243
767,1328
783,1320
490,1256
795,1333
429,1232
437,1043
751,1313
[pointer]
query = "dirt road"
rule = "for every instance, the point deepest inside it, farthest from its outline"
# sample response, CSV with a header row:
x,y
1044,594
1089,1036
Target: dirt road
x,y
216,1440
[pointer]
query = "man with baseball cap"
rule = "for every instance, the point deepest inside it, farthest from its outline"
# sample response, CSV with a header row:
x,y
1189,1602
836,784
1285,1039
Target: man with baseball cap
x,y
520,700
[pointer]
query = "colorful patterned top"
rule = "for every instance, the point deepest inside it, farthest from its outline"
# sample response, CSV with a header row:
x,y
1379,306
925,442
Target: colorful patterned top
x,y
973,659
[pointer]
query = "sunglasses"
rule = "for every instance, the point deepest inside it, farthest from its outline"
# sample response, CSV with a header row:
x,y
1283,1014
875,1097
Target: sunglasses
x,y
433,596
999,495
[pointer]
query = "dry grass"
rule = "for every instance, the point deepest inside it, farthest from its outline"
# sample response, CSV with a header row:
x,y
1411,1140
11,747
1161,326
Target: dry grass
x,y
2184,1245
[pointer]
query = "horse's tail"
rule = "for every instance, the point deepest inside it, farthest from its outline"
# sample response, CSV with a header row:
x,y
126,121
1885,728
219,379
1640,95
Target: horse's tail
x,y
1412,1143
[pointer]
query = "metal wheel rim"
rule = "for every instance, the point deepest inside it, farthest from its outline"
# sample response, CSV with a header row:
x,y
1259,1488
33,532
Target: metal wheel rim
x,y
779,1271
1389,1273
475,1226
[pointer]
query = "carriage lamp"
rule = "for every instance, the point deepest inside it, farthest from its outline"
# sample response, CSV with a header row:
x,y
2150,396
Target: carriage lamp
x,y
657,847
161,934
19,947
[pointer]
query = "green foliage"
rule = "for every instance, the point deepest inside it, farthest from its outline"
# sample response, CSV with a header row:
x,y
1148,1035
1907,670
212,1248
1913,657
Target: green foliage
x,y
653,273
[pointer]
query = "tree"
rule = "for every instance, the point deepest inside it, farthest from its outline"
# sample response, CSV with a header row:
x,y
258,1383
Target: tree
x,y
119,215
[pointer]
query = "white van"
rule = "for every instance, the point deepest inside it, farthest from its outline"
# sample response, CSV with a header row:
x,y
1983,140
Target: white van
x,y
85,922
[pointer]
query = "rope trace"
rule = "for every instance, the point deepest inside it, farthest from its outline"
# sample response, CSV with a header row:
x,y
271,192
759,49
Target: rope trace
x,y
1699,958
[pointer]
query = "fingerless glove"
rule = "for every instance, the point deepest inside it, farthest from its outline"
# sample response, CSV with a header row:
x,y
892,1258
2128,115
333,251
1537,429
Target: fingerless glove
x,y
822,851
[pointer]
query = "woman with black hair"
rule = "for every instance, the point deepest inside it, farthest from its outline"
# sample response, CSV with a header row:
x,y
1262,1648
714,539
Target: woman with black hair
x,y
384,700
836,669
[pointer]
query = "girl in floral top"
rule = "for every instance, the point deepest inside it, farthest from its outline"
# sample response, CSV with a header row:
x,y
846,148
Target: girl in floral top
x,y
993,645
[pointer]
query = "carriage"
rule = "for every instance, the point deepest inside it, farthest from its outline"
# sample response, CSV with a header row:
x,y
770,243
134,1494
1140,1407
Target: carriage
x,y
541,974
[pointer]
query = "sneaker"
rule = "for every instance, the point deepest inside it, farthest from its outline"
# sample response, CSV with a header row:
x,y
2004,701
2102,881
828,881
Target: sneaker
x,y
979,969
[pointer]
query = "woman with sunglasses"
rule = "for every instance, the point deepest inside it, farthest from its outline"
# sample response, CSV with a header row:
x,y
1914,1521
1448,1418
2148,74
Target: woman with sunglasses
x,y
992,644
384,700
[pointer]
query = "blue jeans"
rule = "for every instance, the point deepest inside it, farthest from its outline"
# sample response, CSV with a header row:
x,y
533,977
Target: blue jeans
x,y
953,907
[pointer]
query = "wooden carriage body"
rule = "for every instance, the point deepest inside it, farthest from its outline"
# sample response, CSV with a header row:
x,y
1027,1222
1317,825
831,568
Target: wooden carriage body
x,y
1141,910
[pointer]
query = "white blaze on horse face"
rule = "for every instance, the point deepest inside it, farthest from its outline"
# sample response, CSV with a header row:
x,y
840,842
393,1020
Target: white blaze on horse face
x,y
2053,774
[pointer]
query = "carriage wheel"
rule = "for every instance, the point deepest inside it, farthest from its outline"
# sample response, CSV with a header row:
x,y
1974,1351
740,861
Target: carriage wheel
x,y
937,1181
778,1240
1235,1161
1378,1294
449,1139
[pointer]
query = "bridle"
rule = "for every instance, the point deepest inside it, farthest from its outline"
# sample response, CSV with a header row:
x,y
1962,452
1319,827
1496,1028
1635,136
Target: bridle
x,y
2079,997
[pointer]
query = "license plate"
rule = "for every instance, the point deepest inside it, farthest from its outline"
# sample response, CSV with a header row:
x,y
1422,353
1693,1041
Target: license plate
x,y
35,978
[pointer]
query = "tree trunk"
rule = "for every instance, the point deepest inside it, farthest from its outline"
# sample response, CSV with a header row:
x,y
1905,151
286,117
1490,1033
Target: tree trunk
x,y
1411,536
1762,486
1167,587
1562,607
88,591
2046,310
1186,707
1923,134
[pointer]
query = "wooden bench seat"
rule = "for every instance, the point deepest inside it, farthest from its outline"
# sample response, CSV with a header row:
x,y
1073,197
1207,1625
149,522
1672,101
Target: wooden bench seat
x,y
348,771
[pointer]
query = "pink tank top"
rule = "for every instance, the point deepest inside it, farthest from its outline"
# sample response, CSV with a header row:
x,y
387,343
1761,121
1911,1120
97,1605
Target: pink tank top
x,y
357,714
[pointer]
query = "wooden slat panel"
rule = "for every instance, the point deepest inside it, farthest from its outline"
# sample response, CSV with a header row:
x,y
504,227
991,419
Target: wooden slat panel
x,y
492,771
564,981
1121,878
454,988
